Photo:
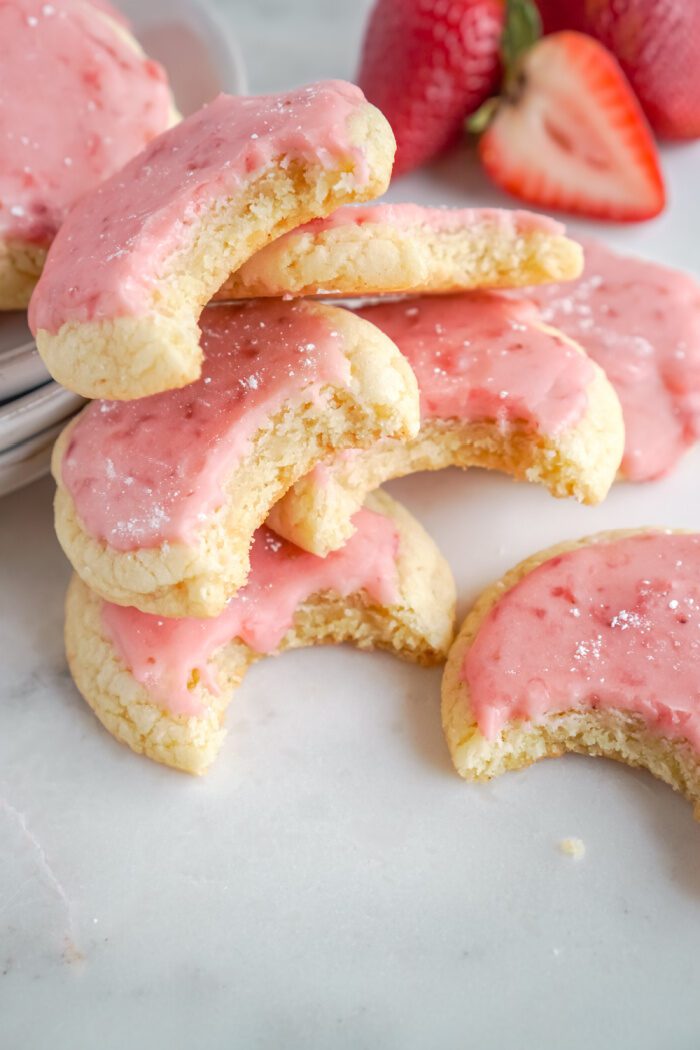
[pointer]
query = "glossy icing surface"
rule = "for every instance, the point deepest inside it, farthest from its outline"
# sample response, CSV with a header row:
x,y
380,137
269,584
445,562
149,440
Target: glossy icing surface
x,y
407,216
641,322
77,101
107,260
169,656
611,625
480,356
148,471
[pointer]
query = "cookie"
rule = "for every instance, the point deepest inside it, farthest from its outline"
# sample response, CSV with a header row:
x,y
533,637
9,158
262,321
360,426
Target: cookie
x,y
641,322
158,499
384,248
498,389
115,312
20,265
113,101
163,686
589,646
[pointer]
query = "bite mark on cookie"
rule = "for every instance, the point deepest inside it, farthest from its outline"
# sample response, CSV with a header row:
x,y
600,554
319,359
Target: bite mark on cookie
x,y
158,498
601,658
162,686
498,389
115,312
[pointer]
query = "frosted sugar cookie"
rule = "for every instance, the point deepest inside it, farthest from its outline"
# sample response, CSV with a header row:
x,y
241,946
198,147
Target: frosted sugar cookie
x,y
158,499
498,389
383,248
590,646
115,313
162,686
78,98
641,322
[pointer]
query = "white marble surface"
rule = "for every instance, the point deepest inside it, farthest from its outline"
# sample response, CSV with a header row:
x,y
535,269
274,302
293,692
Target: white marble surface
x,y
332,884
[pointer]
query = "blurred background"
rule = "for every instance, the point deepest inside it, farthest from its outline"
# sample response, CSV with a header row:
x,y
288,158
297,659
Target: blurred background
x,y
288,42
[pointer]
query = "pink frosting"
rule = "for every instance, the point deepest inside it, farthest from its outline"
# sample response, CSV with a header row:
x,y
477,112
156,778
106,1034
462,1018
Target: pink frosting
x,y
108,257
641,323
405,216
608,626
148,471
164,654
478,356
76,102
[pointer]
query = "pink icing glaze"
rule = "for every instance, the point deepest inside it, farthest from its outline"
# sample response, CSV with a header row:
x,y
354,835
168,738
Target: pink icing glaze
x,y
106,261
477,358
162,654
641,323
405,216
76,102
148,471
613,625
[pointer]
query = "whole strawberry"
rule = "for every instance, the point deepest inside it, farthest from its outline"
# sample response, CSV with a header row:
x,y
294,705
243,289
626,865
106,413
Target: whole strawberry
x,y
428,64
657,43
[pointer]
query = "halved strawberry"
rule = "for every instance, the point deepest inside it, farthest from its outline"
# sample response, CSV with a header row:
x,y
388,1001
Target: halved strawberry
x,y
568,133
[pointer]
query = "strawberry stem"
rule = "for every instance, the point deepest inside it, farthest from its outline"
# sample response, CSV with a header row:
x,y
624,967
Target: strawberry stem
x,y
522,29
482,117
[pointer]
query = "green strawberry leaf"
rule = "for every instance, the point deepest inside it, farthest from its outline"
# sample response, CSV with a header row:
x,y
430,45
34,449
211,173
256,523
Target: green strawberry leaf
x,y
482,117
522,29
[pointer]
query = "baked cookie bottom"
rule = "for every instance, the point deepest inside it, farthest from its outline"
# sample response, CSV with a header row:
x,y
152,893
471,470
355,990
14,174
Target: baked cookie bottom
x,y
20,266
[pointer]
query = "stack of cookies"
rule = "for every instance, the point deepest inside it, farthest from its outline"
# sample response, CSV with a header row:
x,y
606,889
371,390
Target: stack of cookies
x,y
218,498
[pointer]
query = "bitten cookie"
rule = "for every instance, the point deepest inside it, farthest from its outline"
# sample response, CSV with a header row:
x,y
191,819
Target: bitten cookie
x,y
115,312
641,322
384,248
590,646
498,389
158,499
78,98
163,686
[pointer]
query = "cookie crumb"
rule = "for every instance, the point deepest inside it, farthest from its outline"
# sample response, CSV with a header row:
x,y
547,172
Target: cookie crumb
x,y
574,848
